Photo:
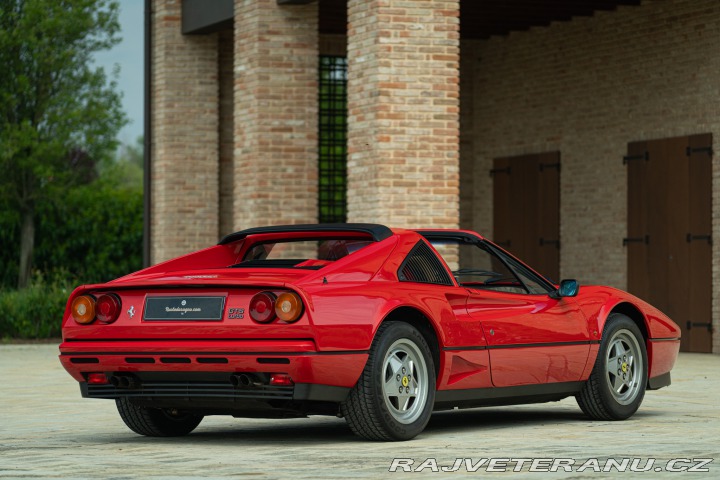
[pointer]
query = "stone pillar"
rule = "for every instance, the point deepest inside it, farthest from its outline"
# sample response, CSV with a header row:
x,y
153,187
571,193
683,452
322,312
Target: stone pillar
x,y
403,137
276,97
184,151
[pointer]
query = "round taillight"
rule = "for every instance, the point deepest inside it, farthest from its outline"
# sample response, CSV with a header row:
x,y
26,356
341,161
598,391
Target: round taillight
x,y
262,307
288,307
108,307
83,309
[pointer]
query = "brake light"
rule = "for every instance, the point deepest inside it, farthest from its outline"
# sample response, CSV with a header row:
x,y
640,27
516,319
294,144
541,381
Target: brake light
x,y
288,307
281,380
108,308
97,379
83,309
262,307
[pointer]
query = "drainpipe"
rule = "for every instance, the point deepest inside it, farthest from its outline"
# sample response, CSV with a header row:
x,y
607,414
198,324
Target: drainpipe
x,y
147,134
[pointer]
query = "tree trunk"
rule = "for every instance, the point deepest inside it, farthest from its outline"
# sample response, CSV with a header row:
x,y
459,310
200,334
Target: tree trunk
x,y
27,243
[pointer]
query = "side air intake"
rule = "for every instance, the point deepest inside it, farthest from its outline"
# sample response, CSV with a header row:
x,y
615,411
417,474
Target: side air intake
x,y
423,266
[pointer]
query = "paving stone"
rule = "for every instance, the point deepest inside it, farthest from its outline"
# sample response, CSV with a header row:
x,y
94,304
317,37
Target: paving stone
x,y
48,431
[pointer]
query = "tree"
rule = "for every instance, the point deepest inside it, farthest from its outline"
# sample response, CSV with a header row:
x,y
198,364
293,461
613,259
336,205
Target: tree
x,y
59,114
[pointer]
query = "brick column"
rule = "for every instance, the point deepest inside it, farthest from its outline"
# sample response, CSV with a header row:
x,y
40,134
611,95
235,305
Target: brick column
x,y
403,112
184,196
276,61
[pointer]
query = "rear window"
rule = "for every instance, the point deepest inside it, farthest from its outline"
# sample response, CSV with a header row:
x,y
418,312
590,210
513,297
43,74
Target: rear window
x,y
302,253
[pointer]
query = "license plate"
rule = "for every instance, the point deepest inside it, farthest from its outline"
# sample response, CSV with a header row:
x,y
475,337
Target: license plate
x,y
208,309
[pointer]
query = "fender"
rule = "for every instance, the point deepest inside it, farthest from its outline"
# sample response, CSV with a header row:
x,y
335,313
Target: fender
x,y
605,300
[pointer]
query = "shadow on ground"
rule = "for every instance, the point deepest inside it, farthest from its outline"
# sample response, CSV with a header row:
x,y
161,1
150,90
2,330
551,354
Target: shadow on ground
x,y
321,430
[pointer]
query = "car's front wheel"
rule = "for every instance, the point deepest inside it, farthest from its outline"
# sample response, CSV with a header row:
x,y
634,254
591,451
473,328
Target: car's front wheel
x,y
616,386
394,396
156,422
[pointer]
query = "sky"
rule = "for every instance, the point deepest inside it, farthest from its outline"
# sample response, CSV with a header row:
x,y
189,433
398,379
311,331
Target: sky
x,y
128,54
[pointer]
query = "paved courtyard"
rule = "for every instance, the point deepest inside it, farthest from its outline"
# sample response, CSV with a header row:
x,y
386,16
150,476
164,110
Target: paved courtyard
x,y
47,431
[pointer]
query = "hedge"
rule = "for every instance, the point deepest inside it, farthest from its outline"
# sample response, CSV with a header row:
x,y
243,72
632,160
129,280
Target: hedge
x,y
35,312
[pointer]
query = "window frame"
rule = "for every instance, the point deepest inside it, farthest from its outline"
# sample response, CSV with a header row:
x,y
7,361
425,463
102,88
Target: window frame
x,y
516,266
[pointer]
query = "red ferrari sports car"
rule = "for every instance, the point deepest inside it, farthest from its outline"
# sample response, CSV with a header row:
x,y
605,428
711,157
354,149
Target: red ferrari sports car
x,y
378,326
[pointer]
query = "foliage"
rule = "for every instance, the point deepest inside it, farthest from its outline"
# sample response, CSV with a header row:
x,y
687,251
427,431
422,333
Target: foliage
x,y
9,246
92,236
100,236
58,113
126,168
35,312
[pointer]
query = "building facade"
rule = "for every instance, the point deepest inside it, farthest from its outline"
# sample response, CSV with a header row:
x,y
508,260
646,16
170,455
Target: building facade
x,y
579,135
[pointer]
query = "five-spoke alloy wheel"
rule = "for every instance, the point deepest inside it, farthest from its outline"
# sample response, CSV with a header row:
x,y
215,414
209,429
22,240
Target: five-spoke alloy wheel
x,y
405,386
623,366
616,386
394,396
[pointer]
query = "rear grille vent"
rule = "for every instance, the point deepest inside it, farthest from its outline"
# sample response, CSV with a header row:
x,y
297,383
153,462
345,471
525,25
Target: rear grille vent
x,y
212,360
140,360
84,360
175,360
274,361
423,266
191,390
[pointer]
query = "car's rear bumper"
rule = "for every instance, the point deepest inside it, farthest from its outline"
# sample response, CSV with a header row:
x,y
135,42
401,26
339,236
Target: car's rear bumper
x,y
204,367
216,388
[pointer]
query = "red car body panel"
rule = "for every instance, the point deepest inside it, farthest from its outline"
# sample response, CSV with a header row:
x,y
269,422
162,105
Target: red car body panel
x,y
485,339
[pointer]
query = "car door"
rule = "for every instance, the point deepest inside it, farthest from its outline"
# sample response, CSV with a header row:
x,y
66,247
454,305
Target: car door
x,y
532,337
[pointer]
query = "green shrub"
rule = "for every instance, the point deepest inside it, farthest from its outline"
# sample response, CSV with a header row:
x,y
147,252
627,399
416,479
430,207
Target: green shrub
x,y
95,233
35,312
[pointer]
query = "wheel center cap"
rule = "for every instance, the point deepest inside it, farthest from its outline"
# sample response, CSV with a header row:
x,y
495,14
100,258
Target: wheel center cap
x,y
625,367
405,381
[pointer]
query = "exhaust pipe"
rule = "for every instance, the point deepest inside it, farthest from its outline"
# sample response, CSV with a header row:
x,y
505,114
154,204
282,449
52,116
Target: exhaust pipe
x,y
244,380
124,381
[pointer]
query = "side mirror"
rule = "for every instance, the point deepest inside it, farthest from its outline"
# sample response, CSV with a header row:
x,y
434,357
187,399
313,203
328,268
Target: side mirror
x,y
568,288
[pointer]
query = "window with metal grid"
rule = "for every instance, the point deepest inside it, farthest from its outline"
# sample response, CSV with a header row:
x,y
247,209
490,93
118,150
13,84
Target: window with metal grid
x,y
332,135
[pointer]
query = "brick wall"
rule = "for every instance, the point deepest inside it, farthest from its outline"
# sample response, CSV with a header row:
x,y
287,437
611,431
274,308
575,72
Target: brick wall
x,y
403,112
184,150
276,57
587,88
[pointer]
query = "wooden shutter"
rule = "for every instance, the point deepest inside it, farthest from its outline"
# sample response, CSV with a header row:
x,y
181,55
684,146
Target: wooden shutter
x,y
669,243
699,335
526,194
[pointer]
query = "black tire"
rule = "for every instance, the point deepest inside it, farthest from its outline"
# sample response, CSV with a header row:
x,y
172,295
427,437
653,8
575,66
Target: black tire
x,y
156,422
372,410
616,386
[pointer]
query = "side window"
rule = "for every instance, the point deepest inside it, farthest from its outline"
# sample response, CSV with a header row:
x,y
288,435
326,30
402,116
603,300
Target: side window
x,y
476,265
534,285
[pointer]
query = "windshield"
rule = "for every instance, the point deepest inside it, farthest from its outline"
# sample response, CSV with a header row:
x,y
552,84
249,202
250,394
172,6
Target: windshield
x,y
301,253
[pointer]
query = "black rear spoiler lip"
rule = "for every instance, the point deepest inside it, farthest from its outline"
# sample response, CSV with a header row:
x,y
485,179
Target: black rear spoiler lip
x,y
376,231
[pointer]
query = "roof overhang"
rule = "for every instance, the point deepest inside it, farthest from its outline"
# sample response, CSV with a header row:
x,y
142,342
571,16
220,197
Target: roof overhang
x,y
201,16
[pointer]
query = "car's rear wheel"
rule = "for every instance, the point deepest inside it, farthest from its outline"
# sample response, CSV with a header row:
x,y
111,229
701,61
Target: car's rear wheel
x,y
616,386
156,422
394,396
